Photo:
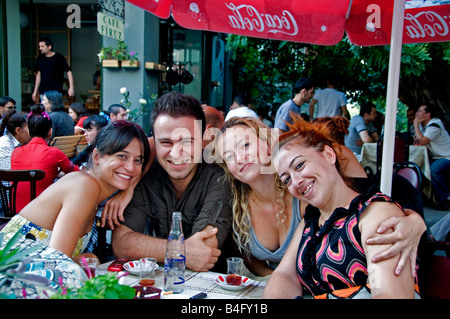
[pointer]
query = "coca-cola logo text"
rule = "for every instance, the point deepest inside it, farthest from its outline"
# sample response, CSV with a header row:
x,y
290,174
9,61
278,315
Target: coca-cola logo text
x,y
247,17
428,23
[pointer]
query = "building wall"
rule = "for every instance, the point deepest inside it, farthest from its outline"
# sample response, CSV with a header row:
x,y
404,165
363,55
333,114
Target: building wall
x,y
141,34
86,43
13,50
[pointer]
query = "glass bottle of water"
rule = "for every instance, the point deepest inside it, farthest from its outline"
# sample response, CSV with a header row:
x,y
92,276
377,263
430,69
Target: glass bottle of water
x,y
175,261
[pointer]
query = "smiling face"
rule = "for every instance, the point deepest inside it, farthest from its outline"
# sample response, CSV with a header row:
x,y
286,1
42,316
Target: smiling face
x,y
178,143
308,174
244,153
120,169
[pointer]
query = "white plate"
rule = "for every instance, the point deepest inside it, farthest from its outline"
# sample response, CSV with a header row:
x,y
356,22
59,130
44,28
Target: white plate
x,y
133,267
221,281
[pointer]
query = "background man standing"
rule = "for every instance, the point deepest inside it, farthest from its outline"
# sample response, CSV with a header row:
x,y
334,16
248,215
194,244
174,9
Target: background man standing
x,y
330,102
50,71
303,93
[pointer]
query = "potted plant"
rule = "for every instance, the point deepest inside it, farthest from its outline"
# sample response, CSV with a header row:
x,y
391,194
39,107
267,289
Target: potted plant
x,y
118,57
105,56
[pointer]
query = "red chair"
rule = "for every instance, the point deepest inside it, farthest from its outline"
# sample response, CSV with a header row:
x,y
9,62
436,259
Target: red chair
x,y
401,152
434,270
411,172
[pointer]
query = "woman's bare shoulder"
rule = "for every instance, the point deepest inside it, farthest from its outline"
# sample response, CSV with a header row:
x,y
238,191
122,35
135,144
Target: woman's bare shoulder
x,y
79,181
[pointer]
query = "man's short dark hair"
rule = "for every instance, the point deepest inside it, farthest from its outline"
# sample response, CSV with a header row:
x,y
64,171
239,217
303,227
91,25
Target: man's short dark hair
x,y
5,99
366,108
241,99
47,41
57,101
303,83
432,109
178,105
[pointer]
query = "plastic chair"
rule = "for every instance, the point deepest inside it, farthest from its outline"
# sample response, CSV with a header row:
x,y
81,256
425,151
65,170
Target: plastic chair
x,y
411,172
8,193
401,152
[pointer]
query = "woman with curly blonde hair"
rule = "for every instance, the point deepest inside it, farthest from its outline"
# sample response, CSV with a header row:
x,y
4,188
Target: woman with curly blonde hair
x,y
265,215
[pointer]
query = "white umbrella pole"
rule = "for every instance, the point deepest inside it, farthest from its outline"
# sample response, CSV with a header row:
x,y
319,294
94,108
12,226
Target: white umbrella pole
x,y
392,97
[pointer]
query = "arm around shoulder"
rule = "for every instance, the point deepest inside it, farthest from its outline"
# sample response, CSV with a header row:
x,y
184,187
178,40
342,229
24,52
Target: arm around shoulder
x,y
383,281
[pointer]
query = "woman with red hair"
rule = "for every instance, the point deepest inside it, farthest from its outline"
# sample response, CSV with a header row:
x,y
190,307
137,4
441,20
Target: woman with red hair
x,y
329,253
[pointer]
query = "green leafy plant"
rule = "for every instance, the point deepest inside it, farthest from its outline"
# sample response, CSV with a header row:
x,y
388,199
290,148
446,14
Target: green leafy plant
x,y
100,287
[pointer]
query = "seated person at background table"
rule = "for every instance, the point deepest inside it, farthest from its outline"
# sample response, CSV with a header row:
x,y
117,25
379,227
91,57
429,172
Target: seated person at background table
x,y
239,108
6,104
62,216
265,215
430,131
117,112
78,113
91,126
63,124
329,251
177,181
38,155
14,132
214,122
361,129
410,116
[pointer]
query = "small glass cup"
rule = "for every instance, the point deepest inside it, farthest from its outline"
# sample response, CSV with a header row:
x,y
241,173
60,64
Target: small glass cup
x,y
147,267
89,265
234,269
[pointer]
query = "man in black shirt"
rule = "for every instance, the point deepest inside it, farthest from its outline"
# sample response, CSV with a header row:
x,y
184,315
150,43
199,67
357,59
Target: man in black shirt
x,y
50,71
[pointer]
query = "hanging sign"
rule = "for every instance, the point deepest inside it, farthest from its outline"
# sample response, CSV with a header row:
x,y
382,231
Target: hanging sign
x,y
110,27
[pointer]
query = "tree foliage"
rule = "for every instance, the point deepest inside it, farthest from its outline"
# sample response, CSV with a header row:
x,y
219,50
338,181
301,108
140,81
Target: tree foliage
x,y
267,69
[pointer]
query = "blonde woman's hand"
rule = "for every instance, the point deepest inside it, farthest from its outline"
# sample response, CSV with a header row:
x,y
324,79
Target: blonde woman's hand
x,y
405,238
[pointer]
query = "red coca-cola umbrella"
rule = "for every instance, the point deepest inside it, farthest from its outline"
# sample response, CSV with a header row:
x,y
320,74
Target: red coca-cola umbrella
x,y
323,22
